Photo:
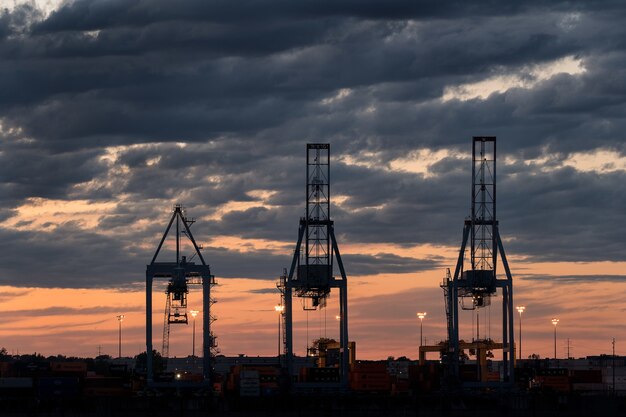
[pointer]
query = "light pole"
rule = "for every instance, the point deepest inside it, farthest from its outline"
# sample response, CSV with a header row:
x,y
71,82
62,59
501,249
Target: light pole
x,y
421,317
194,313
520,310
120,319
555,321
279,309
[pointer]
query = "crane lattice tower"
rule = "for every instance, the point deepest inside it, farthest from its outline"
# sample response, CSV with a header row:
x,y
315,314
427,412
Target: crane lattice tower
x,y
311,273
473,288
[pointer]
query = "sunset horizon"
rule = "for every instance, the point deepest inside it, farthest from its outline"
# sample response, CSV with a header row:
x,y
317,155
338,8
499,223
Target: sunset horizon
x,y
211,200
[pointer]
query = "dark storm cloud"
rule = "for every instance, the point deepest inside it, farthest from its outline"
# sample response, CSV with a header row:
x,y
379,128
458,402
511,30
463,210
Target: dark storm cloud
x,y
90,15
561,214
246,85
389,263
64,257
205,87
69,256
27,172
565,215
267,266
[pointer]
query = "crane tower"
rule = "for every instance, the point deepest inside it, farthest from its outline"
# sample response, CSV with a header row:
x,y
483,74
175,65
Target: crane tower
x,y
311,272
473,288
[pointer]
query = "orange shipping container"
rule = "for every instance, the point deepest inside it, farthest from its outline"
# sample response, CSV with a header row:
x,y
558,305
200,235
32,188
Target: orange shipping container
x,y
74,367
361,376
370,386
369,367
4,368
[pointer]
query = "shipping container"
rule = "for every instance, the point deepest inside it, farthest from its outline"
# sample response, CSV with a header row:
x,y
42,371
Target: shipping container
x,y
249,384
558,383
16,383
589,376
106,387
321,375
58,387
552,372
369,366
16,388
400,386
492,376
588,387
5,369
79,368
370,386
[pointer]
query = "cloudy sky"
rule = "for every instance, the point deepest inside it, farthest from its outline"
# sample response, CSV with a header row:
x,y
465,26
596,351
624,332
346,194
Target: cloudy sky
x,y
112,111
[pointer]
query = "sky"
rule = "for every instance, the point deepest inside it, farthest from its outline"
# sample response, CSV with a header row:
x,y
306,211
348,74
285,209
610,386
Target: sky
x,y
113,111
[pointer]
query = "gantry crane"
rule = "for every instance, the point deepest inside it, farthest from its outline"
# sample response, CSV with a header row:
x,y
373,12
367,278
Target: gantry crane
x,y
311,273
474,288
180,275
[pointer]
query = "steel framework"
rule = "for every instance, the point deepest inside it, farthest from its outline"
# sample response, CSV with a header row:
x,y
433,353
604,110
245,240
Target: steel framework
x,y
311,272
180,275
474,288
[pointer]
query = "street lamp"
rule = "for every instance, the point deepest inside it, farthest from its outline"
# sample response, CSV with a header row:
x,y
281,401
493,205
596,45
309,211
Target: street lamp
x,y
520,310
279,309
555,321
120,319
421,317
194,313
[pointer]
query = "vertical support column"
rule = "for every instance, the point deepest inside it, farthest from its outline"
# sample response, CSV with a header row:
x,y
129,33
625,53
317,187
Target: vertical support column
x,y
343,334
506,345
288,329
511,333
150,371
288,301
454,343
453,305
206,328
450,318
343,310
509,286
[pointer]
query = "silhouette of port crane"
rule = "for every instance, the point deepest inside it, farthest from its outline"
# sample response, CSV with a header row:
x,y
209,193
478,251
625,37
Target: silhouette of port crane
x,y
180,275
311,273
474,288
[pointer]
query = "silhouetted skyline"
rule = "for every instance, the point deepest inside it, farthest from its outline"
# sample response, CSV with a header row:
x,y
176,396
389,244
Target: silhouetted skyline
x,y
111,113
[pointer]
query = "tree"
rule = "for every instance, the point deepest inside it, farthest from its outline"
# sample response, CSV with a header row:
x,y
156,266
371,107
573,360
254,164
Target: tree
x,y
141,362
321,344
